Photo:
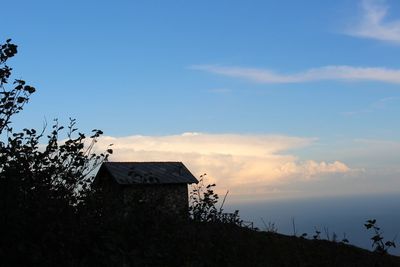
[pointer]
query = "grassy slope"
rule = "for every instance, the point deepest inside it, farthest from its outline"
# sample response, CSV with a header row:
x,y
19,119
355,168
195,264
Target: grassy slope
x,y
224,245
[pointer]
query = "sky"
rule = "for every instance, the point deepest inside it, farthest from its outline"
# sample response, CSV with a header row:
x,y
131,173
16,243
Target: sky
x,y
274,100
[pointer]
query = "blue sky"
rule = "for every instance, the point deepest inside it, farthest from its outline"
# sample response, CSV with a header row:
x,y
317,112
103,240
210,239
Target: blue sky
x,y
129,60
271,98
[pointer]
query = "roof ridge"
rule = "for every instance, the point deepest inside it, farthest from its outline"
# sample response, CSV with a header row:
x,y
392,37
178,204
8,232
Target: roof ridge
x,y
166,172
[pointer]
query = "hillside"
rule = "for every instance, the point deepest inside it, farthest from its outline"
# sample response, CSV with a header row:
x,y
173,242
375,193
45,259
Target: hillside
x,y
200,244
138,241
233,246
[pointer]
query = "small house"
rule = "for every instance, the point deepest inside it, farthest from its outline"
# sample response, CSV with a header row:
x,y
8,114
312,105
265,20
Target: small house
x,y
160,186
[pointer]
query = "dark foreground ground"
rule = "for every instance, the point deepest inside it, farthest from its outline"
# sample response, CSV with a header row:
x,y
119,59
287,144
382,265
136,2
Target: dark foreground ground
x,y
225,245
242,247
186,244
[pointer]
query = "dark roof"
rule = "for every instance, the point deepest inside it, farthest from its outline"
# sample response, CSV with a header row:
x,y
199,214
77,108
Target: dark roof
x,y
126,173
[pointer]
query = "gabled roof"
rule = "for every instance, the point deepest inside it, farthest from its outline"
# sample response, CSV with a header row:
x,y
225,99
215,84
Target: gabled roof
x,y
126,173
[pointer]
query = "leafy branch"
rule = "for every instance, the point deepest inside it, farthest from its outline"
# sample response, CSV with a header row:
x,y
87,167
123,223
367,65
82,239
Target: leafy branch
x,y
378,242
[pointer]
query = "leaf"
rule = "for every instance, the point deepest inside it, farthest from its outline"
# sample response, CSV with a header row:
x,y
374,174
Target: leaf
x,y
29,89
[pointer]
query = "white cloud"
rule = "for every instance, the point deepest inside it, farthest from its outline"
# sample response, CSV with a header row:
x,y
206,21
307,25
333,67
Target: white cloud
x,y
374,23
341,73
245,164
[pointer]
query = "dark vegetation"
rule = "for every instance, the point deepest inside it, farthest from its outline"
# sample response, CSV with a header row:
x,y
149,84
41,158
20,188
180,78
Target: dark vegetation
x,y
378,243
50,215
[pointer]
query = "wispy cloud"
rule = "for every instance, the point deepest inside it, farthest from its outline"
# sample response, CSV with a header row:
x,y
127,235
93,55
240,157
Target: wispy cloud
x,y
374,23
341,73
381,104
247,165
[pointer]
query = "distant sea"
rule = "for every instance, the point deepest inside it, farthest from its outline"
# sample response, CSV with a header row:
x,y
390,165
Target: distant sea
x,y
338,215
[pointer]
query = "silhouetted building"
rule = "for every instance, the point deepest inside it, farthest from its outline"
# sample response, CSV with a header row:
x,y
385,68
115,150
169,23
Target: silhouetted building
x,y
160,186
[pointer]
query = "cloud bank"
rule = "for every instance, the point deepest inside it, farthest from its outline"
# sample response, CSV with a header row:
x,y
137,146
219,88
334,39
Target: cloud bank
x,y
252,166
374,23
340,73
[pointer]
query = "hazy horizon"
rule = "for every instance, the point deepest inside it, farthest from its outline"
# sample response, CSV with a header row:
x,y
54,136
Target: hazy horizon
x,y
339,215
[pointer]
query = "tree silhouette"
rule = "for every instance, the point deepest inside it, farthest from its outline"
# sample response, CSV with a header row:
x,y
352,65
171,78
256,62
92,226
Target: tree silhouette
x,y
42,180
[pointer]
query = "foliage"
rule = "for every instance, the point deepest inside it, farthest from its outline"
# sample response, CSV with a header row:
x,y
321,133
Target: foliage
x,y
303,235
12,100
41,186
203,199
202,205
378,242
344,239
61,169
269,227
317,234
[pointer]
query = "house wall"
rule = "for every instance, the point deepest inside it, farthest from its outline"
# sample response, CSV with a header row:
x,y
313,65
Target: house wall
x,y
158,198
165,198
